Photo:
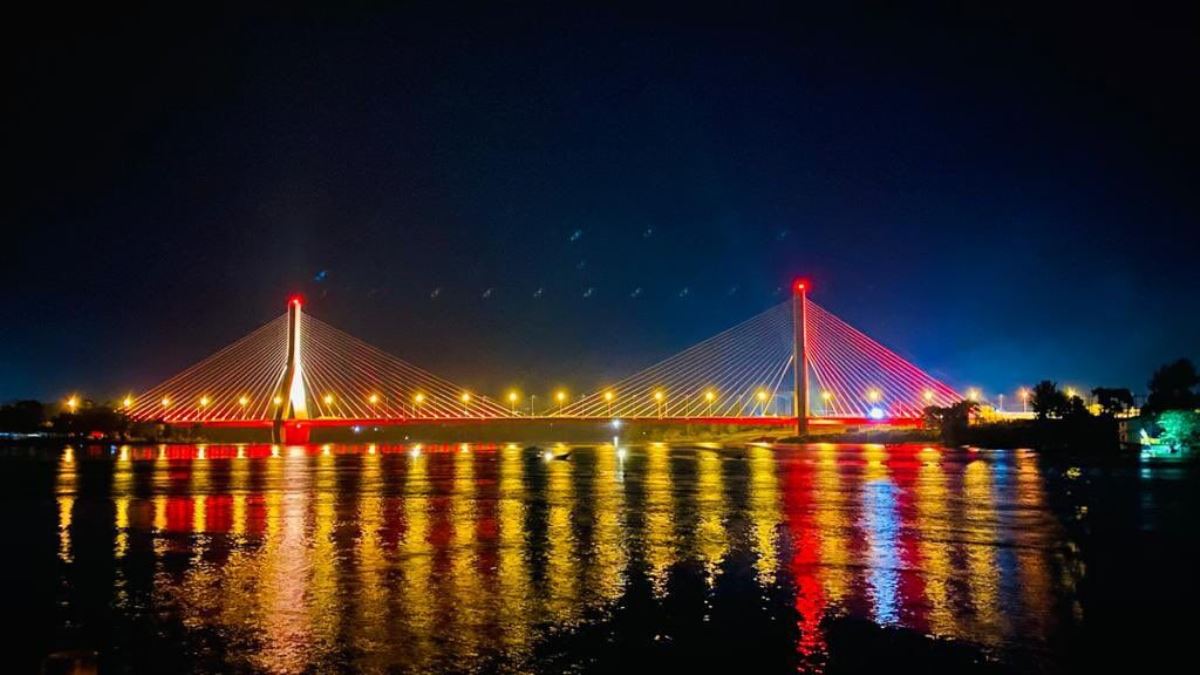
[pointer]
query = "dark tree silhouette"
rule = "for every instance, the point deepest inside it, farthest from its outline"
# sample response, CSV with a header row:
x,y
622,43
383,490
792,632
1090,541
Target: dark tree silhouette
x,y
950,420
23,417
1113,400
1173,387
1048,401
92,419
1075,409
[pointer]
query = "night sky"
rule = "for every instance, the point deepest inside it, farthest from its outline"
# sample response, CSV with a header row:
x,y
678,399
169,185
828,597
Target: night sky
x,y
550,197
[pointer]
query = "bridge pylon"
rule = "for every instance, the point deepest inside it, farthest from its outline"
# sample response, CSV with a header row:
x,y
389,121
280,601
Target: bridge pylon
x,y
292,400
800,354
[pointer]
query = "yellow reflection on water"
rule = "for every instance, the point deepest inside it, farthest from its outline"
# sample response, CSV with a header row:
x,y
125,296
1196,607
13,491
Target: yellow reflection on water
x,y
314,511
465,593
765,514
121,543
239,484
832,516
288,623
660,534
982,567
121,489
1035,586
65,488
710,511
161,487
934,544
512,573
198,489
372,593
608,509
416,569
561,573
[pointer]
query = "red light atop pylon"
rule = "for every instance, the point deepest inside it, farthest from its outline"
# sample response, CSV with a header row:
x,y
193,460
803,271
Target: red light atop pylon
x,y
800,285
296,300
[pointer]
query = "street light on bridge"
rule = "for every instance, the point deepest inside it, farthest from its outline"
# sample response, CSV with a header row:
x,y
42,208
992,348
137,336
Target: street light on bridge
x,y
466,401
762,402
73,403
561,397
166,402
608,398
418,399
709,397
512,401
127,403
826,397
659,397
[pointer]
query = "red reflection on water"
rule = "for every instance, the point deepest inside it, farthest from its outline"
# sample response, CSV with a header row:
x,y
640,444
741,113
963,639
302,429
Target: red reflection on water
x,y
218,513
180,511
805,561
903,462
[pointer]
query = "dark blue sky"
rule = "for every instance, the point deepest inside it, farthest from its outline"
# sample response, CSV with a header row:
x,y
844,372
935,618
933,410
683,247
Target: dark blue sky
x,y
1001,195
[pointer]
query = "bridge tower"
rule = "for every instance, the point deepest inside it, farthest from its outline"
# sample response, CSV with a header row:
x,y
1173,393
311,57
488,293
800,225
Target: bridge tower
x,y
288,425
800,354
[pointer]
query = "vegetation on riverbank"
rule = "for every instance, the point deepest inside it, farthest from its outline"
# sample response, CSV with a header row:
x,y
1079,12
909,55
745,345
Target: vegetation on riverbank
x,y
1063,421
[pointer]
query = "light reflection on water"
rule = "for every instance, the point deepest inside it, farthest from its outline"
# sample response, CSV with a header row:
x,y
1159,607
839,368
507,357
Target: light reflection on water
x,y
377,556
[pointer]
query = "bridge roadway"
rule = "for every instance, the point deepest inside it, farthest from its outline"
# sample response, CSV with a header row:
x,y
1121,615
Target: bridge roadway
x,y
299,431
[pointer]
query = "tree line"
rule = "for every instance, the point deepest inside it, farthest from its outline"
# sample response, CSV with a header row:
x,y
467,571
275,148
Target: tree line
x,y
1171,387
88,417
1172,396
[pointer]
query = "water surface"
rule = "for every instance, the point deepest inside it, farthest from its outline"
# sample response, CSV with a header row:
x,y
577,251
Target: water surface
x,y
491,557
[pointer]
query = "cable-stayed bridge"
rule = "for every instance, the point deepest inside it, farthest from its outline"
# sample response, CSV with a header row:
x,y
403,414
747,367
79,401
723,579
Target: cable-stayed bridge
x,y
791,364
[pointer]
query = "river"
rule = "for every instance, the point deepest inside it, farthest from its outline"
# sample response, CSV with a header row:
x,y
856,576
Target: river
x,y
484,558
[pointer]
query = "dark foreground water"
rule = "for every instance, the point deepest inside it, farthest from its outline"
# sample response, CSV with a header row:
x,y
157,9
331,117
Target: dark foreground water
x,y
485,558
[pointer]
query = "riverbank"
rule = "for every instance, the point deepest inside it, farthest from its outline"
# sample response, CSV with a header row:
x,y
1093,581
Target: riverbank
x,y
1095,436
867,435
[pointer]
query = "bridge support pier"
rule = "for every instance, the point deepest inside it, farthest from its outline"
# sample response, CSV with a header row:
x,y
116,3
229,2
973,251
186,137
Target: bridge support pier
x,y
290,432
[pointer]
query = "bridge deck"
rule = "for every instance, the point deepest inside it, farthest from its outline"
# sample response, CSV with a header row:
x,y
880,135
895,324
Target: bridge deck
x,y
751,421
